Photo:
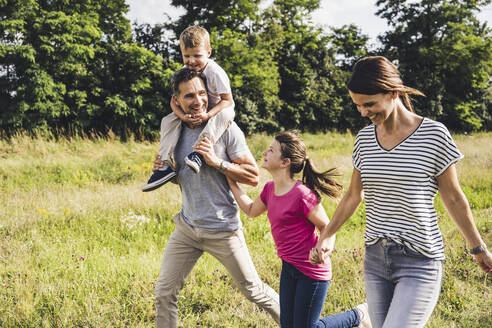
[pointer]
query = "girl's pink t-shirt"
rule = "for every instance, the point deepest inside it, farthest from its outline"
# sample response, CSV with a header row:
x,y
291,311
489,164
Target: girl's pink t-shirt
x,y
293,233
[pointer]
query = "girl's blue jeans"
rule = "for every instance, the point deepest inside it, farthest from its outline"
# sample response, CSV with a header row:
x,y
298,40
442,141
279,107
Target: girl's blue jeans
x,y
402,285
301,302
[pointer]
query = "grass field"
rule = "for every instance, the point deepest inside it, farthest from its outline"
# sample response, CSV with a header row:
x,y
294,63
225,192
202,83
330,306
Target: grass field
x,y
81,245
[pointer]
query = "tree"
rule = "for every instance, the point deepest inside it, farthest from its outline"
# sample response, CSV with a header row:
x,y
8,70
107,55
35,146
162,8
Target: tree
x,y
443,50
234,15
65,68
309,80
349,45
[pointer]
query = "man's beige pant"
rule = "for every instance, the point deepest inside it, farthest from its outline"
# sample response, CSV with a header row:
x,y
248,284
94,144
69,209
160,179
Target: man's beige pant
x,y
183,249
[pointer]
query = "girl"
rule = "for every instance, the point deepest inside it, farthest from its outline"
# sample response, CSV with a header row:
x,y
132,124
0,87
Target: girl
x,y
400,162
294,211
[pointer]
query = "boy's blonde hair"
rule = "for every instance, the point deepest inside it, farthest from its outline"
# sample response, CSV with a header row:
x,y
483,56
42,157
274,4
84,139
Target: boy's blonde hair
x,y
194,36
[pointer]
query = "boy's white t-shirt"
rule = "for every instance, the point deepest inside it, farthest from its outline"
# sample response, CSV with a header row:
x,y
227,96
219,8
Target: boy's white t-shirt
x,y
217,82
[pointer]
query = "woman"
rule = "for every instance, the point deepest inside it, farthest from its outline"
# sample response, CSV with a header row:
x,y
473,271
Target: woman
x,y
294,211
400,162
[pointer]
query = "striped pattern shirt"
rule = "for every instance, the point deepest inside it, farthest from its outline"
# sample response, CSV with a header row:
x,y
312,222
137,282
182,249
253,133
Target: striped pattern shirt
x,y
400,185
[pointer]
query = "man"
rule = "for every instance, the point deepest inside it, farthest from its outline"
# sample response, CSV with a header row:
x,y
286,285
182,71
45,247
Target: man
x,y
209,220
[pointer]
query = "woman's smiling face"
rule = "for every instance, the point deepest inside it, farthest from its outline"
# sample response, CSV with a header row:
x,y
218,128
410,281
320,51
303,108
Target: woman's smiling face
x,y
376,107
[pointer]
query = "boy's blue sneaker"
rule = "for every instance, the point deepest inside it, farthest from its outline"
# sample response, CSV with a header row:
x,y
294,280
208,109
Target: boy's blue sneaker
x,y
194,160
159,178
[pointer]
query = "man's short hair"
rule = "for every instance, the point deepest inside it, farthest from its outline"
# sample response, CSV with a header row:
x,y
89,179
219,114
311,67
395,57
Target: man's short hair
x,y
183,75
194,36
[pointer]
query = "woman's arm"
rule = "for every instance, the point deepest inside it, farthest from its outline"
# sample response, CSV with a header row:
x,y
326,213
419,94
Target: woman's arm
x,y
248,206
458,208
349,203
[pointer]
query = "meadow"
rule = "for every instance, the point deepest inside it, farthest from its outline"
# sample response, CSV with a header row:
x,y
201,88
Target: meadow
x,y
81,245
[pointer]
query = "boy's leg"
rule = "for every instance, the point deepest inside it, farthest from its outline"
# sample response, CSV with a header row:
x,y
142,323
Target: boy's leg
x,y
181,253
217,125
170,131
231,250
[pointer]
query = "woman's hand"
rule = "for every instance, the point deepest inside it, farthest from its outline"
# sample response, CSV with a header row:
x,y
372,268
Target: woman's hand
x,y
484,260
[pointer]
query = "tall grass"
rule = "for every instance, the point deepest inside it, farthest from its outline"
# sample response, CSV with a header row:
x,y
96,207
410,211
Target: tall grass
x,y
81,245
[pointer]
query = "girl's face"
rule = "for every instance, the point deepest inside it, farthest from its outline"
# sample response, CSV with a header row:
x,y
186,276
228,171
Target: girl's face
x,y
272,157
376,107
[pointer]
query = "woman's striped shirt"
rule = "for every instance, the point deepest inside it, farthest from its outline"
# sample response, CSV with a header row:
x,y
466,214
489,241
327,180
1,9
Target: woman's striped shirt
x,y
400,185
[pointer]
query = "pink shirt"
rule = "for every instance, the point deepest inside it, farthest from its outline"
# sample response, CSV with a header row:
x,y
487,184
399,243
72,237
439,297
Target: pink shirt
x,y
293,233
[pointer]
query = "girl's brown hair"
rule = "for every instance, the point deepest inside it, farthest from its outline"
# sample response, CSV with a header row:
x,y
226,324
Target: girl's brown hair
x,y
293,148
376,74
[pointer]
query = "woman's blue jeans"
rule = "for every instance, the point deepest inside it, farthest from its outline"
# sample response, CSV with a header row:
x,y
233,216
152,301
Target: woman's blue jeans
x,y
402,286
301,302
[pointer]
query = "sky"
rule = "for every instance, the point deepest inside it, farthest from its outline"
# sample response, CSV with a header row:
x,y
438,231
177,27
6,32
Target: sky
x,y
332,13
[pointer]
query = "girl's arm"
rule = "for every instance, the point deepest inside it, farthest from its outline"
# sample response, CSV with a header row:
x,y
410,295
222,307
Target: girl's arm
x,y
458,208
318,217
349,203
248,206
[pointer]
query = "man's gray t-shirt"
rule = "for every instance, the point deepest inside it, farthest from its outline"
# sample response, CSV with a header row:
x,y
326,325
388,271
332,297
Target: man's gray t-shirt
x,y
208,203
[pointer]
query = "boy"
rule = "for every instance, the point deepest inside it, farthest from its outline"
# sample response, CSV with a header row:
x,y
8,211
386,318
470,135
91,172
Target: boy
x,y
195,47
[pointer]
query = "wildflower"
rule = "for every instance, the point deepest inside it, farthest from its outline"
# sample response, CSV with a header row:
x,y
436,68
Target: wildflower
x,y
132,220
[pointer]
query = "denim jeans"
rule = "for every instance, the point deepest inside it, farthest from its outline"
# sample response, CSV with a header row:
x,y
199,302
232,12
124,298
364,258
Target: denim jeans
x,y
402,286
301,302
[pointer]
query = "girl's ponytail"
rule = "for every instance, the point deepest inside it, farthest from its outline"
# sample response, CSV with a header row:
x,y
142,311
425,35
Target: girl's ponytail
x,y
293,148
320,182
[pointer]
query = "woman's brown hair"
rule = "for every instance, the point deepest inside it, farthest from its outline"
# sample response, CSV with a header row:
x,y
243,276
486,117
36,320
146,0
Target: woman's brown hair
x,y
376,74
293,148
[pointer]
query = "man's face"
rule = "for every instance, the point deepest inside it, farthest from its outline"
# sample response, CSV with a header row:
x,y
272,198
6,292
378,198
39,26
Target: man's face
x,y
192,96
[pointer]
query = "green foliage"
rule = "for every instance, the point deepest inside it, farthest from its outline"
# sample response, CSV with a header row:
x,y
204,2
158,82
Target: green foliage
x,y
222,15
75,68
254,78
69,67
309,80
349,45
444,51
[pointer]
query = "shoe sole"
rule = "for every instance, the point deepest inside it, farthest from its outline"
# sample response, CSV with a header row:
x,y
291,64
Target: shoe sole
x,y
158,183
192,165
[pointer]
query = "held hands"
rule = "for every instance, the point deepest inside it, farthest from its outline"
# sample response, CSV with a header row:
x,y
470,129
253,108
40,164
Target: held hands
x,y
192,120
322,251
203,116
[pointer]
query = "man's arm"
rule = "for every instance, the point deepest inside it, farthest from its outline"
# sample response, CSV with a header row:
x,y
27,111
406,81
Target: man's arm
x,y
242,169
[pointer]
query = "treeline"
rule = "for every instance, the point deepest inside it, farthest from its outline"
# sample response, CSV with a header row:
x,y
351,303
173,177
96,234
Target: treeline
x,y
79,66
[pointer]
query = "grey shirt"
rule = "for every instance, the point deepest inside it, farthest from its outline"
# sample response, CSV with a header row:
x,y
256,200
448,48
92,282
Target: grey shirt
x,y
208,203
